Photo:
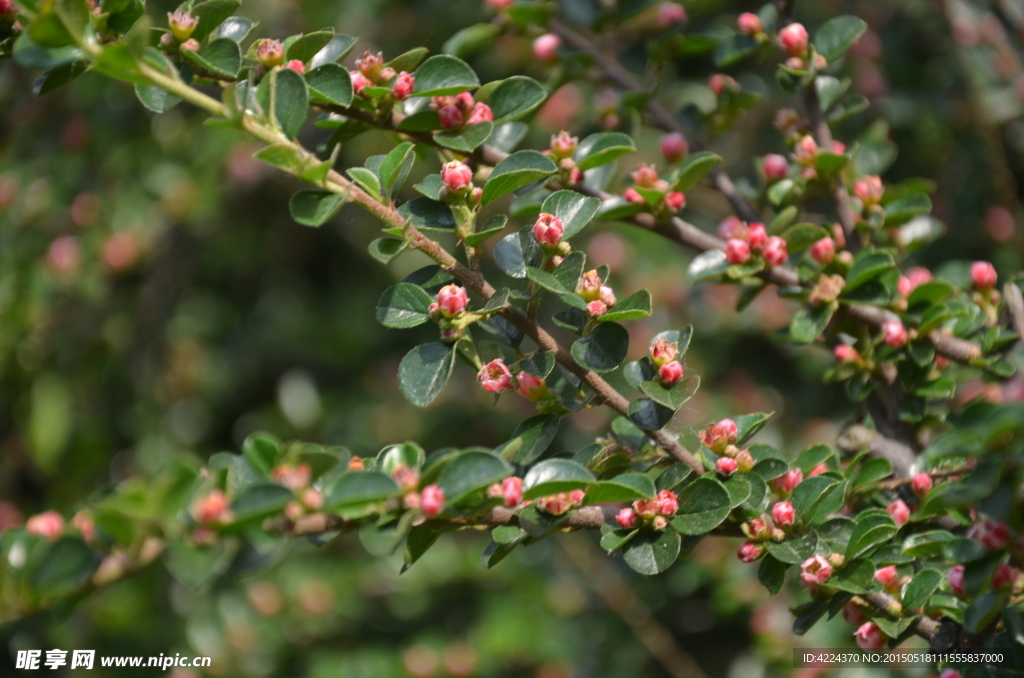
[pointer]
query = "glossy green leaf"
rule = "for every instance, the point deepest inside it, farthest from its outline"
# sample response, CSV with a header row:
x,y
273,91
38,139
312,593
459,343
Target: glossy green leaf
x,y
871,529
674,397
314,207
357,488
404,305
444,74
466,139
624,487
308,46
515,171
836,35
747,425
707,265
211,15
703,505
428,215
472,39
919,589
337,48
530,439
652,552
602,148
808,323
694,168
603,349
515,97
649,415
636,305
395,167
330,83
424,371
470,472
221,57
867,265
573,209
554,476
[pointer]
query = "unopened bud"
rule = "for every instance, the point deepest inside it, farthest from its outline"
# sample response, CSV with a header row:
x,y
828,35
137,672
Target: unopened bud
x,y
270,53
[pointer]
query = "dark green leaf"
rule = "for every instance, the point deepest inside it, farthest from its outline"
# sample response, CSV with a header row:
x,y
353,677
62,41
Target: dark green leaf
x,y
444,74
649,415
636,305
428,215
221,57
696,166
67,566
836,35
358,488
603,349
424,371
703,505
466,139
514,98
809,323
330,84
772,574
212,14
471,472
472,39
920,589
314,207
573,209
515,171
404,305
259,501
530,439
601,148
652,552
625,487
554,476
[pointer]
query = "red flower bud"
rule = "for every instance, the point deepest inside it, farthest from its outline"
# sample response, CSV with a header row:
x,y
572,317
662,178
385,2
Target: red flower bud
x,y
983,275
548,230
270,53
456,176
452,300
675,201
853,614
668,503
757,528
750,24
371,66
495,377
563,145
545,48
1005,576
718,436
956,580
823,251
720,82
450,117
531,387
869,636
950,673
296,66
670,13
212,508
784,514
512,491
818,470
190,45
634,197
49,525
626,518
726,466
596,309
403,86
894,334
899,511
921,484
888,577
359,82
669,374
181,24
775,253
794,39
674,147
869,190
846,354
757,237
737,251
499,5
732,228
431,500
815,571
788,481
749,552
481,113
775,167
805,151
993,534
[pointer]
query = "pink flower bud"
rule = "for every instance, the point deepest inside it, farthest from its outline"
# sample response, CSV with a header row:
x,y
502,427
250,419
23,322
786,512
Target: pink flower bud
x,y
726,466
634,197
718,436
749,551
548,230
775,167
403,86
899,511
956,580
431,500
563,145
757,237
846,354
607,296
596,309
668,503
983,275
950,673
921,484
296,66
744,460
576,176
456,176
359,82
894,334
794,39
531,387
589,286
313,499
750,24
670,13
211,508
495,377
1005,576
993,534
818,470
646,508
869,190
49,525
757,528
512,491
407,478
670,373
788,481
644,176
888,577
675,201
270,53
805,151
626,518
452,300
450,117
663,351
824,250
853,614
180,22
386,75
732,228
869,636
545,48
293,477
481,113
720,82
659,523
784,514
499,5
737,251
775,252
62,255
371,65
674,147
190,45
815,571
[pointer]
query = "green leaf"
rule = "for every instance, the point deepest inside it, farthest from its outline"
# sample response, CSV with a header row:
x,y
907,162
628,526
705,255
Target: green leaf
x,y
444,74
515,171
221,57
836,35
570,270
308,46
424,371
707,265
419,541
314,207
428,215
471,40
404,305
872,528
929,544
515,97
212,14
573,209
602,148
822,496
867,265
696,166
625,487
674,397
554,476
963,550
673,476
919,589
283,156
65,73
538,364
330,84
466,139
793,551
830,90
983,610
636,305
547,281
386,249
153,98
772,574
905,208
809,323
291,99
649,415
470,472
747,425
395,167
494,226
872,470
799,237
337,48
66,567
614,538
357,488
812,456
703,505
403,454
734,48
530,439
234,28
652,552
603,349
259,501
513,253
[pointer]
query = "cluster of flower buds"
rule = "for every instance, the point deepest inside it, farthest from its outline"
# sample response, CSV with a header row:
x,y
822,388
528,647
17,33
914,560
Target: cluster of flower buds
x,y
455,112
599,297
794,40
762,529
181,25
827,289
212,509
429,501
457,184
562,148
449,311
49,525
509,490
297,478
659,194
992,534
719,436
271,54
747,242
545,48
733,459
370,71
560,504
720,83
654,513
664,356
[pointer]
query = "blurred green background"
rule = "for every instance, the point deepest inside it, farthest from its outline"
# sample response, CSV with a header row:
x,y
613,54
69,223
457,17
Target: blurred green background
x,y
156,300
